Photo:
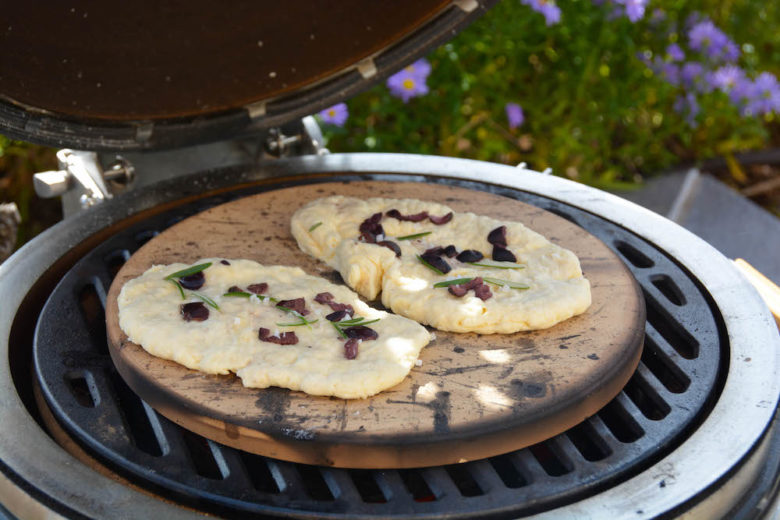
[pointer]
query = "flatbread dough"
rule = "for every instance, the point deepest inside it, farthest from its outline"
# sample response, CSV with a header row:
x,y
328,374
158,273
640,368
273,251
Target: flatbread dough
x,y
328,229
149,313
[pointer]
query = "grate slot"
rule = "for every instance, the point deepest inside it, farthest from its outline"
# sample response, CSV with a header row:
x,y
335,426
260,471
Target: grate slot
x,y
620,422
668,288
674,333
202,456
508,472
146,235
367,486
464,480
415,484
134,414
259,474
82,386
92,299
646,398
314,483
115,260
588,442
552,460
562,214
664,369
633,255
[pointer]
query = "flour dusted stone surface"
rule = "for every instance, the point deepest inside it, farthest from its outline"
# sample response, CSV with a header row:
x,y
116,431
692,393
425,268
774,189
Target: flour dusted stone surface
x,y
228,340
557,289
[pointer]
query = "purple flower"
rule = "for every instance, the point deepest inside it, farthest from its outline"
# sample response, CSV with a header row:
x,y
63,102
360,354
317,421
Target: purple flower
x,y
335,115
420,68
675,52
548,8
704,37
763,95
727,77
688,106
667,70
406,85
514,114
635,9
692,75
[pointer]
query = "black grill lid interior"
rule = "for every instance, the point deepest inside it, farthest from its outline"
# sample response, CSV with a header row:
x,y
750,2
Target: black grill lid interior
x,y
140,75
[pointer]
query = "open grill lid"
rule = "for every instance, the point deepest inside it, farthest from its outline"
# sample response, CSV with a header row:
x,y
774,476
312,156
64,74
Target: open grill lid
x,y
143,75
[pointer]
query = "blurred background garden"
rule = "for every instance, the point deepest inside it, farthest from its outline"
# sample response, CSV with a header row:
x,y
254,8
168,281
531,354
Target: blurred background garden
x,y
605,92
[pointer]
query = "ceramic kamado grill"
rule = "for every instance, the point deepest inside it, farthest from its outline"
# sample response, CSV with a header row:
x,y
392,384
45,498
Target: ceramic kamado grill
x,y
659,401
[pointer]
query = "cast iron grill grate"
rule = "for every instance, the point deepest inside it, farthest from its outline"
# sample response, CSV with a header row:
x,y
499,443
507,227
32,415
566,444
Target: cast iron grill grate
x,y
678,377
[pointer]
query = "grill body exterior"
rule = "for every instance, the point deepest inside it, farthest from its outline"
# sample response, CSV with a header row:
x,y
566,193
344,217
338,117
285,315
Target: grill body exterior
x,y
721,456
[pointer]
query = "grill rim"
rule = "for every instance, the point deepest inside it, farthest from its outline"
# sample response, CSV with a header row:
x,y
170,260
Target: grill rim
x,y
718,444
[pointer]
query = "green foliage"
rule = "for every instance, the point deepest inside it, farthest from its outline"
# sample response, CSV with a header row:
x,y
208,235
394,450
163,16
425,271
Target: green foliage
x,y
593,110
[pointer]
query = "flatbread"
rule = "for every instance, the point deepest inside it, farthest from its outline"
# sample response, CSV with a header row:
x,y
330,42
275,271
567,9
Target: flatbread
x,y
329,229
228,340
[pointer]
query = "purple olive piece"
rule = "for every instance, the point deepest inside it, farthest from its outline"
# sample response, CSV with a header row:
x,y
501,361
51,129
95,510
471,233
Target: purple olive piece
x,y
323,298
450,251
371,223
360,332
483,292
194,311
457,290
436,250
440,220
224,262
470,255
285,338
497,237
391,246
394,213
235,288
503,255
342,307
337,316
298,305
351,348
258,288
474,282
437,262
193,282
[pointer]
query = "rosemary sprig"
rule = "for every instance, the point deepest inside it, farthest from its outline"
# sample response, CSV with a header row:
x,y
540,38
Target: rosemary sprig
x,y
507,283
238,294
189,271
303,321
429,266
178,286
456,281
206,299
360,320
338,329
416,235
509,265
315,226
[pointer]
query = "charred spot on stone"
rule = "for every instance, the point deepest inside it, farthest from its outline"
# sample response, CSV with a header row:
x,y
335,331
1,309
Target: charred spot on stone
x,y
503,255
360,332
258,288
450,251
497,237
235,288
437,262
394,213
224,262
391,246
351,348
285,338
193,281
440,220
194,311
323,298
297,304
470,255
337,316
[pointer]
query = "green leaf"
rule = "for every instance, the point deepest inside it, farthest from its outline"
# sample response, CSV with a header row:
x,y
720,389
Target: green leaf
x,y
189,271
178,286
456,281
338,329
300,323
206,299
238,294
502,265
429,266
315,226
507,283
416,235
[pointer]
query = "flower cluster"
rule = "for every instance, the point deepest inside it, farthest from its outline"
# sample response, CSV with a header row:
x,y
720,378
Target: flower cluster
x,y
547,8
336,115
712,67
410,81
